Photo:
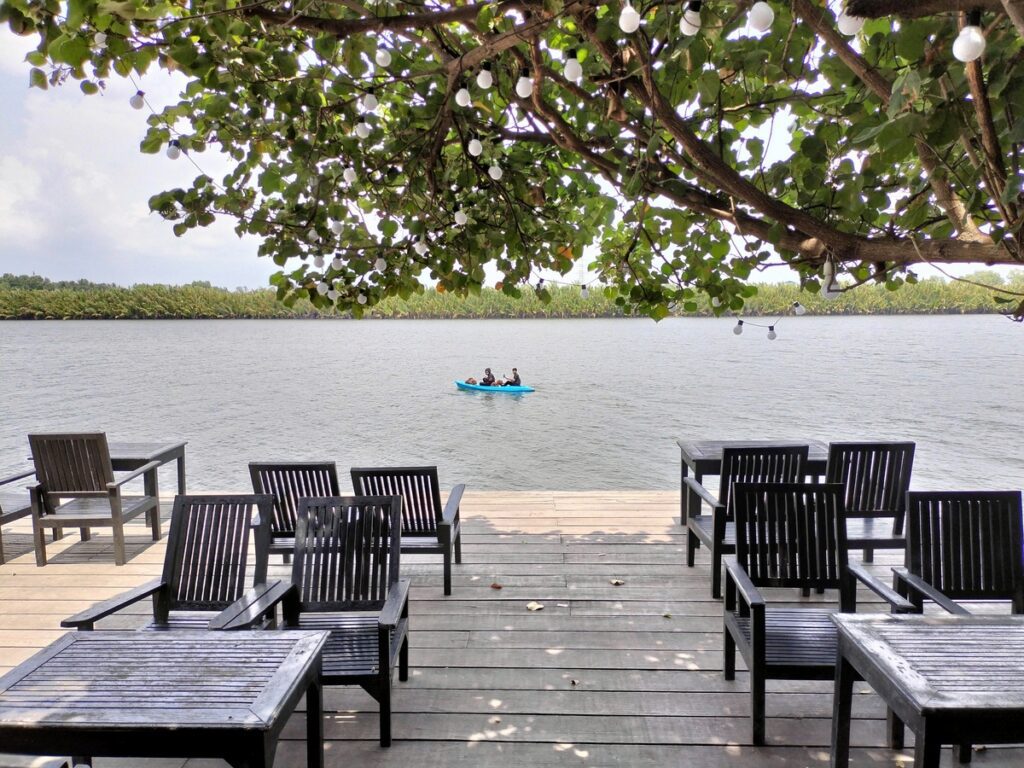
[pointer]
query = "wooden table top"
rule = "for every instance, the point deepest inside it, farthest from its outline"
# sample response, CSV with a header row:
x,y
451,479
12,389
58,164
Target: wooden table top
x,y
943,662
157,680
710,451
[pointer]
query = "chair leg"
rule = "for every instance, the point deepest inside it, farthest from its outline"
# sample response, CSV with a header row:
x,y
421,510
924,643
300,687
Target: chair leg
x,y
58,533
692,543
85,533
895,730
286,557
384,698
729,665
40,536
155,522
716,572
869,555
757,707
458,548
403,659
447,570
119,554
1,545
962,753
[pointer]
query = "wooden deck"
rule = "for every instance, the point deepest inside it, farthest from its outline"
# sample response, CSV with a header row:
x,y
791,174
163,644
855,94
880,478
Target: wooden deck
x,y
604,675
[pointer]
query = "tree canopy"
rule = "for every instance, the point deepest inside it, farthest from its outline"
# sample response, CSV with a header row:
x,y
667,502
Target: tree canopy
x,y
373,144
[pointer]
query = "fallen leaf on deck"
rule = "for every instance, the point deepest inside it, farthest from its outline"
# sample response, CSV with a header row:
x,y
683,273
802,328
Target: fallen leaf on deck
x,y
616,582
494,720
667,615
533,605
574,682
495,585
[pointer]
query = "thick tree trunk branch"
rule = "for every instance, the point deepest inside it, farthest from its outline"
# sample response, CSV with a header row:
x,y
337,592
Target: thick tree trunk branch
x,y
1015,10
915,9
349,27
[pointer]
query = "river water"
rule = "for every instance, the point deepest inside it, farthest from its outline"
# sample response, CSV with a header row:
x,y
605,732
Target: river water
x,y
612,395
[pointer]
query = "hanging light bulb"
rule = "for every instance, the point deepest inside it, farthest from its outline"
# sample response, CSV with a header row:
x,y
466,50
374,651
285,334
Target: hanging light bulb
x,y
333,294
318,262
174,149
829,288
761,16
383,57
849,25
100,38
138,101
772,335
738,328
350,175
421,247
380,264
485,79
540,284
475,147
370,102
573,69
799,308
362,129
336,227
689,25
629,19
716,301
584,293
337,264
322,288
463,97
361,298
495,172
524,85
312,235
461,218
970,43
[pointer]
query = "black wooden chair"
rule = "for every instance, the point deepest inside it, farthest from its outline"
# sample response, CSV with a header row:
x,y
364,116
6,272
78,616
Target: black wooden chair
x,y
787,535
77,467
13,505
427,527
739,465
875,479
345,580
288,482
205,564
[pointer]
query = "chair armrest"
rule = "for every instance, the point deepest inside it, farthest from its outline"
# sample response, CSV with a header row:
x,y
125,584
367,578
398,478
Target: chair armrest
x,y
19,476
923,588
249,609
132,475
706,496
750,594
897,603
394,607
90,616
451,507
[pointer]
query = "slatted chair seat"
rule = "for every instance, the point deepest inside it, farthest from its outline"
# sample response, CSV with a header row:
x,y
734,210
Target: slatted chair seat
x,y
205,565
799,638
351,649
76,488
427,527
750,465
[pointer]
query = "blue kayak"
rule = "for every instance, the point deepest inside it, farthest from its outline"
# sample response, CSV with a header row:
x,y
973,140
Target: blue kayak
x,y
481,388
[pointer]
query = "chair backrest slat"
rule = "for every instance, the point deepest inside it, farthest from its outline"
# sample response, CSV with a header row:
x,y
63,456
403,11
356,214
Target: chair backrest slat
x,y
418,487
967,544
347,551
776,464
208,549
288,482
72,464
875,477
791,534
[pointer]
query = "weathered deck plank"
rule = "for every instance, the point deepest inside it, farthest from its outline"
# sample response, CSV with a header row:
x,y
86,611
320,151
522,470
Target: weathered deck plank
x,y
604,675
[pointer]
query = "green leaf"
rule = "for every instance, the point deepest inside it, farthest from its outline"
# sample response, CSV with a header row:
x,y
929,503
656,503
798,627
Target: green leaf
x,y
37,79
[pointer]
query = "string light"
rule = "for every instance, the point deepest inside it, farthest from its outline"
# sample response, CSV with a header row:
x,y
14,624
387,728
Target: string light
x,y
475,147
138,101
849,25
829,288
761,16
799,308
689,25
495,172
350,175
970,43
370,102
333,294
573,70
461,218
772,335
738,328
318,262
524,85
100,38
421,247
361,298
463,97
322,288
484,78
174,149
362,129
337,227
584,292
383,57
629,19
380,264
337,264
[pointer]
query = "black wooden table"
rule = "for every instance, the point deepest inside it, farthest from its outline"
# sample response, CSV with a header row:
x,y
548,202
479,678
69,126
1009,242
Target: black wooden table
x,y
704,457
165,694
128,456
951,679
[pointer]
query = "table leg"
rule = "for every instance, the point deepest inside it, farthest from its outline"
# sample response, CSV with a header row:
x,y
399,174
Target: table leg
x,y
684,494
152,488
181,472
315,724
927,748
842,706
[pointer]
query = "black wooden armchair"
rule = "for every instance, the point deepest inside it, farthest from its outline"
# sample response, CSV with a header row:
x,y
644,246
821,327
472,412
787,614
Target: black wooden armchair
x,y
427,527
787,535
345,580
205,564
288,482
76,489
13,505
875,479
717,531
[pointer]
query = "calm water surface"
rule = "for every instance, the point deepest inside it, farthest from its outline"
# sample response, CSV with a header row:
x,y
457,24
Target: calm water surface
x,y
612,395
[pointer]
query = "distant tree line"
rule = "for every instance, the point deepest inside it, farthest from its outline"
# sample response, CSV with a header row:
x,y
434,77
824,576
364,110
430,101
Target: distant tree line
x,y
29,297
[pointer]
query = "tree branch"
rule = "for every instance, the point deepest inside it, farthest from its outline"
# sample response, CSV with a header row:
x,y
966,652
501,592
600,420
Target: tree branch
x,y
876,9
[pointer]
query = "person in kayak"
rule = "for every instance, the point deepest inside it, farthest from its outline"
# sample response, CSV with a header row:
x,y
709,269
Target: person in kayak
x,y
488,379
514,381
